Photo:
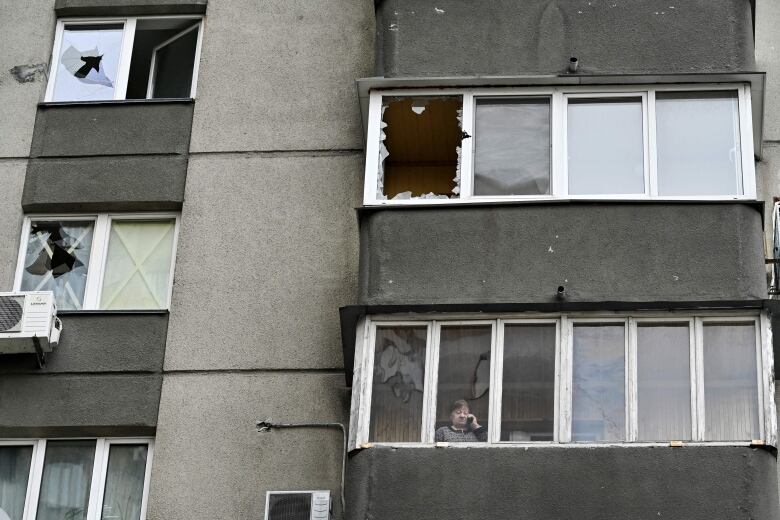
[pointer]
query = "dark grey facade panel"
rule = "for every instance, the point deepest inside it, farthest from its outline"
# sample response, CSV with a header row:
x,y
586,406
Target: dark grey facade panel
x,y
692,483
100,342
77,404
596,252
105,183
112,128
506,37
128,7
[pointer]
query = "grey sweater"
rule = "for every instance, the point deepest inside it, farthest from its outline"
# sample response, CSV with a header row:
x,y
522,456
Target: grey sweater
x,y
450,434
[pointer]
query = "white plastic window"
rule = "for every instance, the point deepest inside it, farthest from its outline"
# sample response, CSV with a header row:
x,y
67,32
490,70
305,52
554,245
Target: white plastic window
x,y
579,378
105,261
125,58
445,146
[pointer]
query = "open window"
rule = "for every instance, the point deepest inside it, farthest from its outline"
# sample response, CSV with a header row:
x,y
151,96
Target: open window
x,y
127,58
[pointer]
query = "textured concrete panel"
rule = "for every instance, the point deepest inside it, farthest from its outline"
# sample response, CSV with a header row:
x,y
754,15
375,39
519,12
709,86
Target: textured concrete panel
x,y
98,404
506,37
105,183
768,184
767,49
128,7
11,182
268,251
597,252
26,36
112,129
209,460
292,80
692,483
101,342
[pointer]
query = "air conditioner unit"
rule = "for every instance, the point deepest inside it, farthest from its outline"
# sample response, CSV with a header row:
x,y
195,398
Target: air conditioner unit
x,y
297,505
28,323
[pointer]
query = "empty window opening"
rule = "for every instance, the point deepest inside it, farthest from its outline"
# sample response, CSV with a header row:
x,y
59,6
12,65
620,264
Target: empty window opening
x,y
420,148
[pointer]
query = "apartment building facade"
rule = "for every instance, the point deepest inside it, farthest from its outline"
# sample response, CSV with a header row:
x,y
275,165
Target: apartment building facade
x,y
340,219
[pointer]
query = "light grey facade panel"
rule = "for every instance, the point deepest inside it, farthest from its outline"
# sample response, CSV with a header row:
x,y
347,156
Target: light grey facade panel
x,y
128,7
79,405
505,37
105,183
112,128
602,252
100,342
694,483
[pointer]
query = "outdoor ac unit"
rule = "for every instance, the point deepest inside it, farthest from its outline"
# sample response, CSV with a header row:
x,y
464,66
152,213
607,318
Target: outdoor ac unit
x,y
297,505
28,323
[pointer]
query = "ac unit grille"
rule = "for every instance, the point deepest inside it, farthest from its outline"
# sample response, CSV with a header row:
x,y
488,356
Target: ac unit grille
x,y
289,506
11,312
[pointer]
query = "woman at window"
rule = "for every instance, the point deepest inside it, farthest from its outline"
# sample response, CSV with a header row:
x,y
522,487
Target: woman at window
x,y
464,426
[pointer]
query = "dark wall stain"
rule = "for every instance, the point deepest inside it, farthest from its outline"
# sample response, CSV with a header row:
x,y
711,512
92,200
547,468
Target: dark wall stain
x,y
28,73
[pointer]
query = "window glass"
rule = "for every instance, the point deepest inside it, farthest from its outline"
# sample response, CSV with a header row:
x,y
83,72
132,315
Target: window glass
x,y
730,384
88,62
138,265
598,386
67,477
124,482
464,378
397,389
528,392
420,147
512,146
14,473
173,66
698,143
57,259
664,382
605,146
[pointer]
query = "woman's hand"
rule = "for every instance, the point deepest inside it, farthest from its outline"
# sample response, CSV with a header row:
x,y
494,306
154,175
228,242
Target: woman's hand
x,y
472,422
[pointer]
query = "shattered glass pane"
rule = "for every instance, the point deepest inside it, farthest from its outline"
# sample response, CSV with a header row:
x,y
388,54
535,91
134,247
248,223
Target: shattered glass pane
x,y
88,62
397,390
512,146
57,259
419,149
138,265
598,386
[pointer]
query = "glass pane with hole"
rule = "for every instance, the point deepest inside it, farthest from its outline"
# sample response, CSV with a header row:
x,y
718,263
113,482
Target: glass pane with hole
x,y
88,62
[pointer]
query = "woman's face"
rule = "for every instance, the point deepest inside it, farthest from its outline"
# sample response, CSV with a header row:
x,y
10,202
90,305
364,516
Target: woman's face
x,y
459,417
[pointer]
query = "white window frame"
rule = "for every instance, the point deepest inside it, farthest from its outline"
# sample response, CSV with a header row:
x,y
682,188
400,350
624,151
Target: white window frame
x,y
128,38
558,165
99,471
564,323
97,261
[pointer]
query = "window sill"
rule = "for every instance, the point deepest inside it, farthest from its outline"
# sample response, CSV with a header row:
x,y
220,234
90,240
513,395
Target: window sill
x,y
90,312
118,102
568,445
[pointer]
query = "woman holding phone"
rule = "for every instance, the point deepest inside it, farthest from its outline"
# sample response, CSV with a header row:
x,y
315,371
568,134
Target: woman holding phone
x,y
464,426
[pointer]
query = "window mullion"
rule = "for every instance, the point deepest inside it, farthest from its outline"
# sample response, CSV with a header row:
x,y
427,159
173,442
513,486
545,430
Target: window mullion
x,y
96,263
467,147
632,405
34,485
748,179
431,381
558,143
564,380
496,381
699,377
767,386
367,386
693,363
99,469
370,189
147,478
651,149
123,72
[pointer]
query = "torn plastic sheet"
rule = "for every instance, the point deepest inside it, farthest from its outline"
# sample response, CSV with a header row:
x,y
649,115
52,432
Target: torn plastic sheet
x,y
383,154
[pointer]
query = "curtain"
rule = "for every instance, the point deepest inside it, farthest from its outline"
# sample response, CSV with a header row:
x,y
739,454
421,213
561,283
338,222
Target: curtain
x,y
67,477
124,482
14,472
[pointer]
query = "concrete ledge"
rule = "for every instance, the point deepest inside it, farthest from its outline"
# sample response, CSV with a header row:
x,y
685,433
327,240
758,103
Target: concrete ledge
x,y
127,7
609,483
89,405
112,128
105,183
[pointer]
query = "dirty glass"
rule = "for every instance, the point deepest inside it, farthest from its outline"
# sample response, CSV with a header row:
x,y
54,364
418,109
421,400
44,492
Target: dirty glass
x,y
138,265
124,482
598,386
698,143
67,477
605,146
420,148
14,473
464,375
397,388
730,384
57,259
173,67
512,146
663,382
88,62
528,390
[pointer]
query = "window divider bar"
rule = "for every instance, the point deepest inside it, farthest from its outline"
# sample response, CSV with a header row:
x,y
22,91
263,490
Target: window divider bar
x,y
99,472
468,123
123,71
699,381
767,388
374,130
748,178
496,381
34,482
147,478
760,376
693,381
556,385
632,401
432,361
55,61
559,147
652,144
368,380
565,348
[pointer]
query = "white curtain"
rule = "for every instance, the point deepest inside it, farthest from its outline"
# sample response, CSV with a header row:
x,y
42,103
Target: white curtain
x,y
124,482
14,473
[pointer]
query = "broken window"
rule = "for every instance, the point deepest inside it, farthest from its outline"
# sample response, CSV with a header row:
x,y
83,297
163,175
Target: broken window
x,y
134,58
639,378
135,270
420,148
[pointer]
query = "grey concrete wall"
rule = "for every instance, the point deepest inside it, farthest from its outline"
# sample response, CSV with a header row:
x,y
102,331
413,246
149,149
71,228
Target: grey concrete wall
x,y
692,483
128,7
209,460
597,252
506,37
11,181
